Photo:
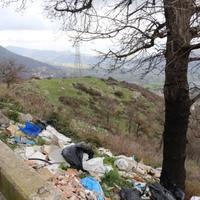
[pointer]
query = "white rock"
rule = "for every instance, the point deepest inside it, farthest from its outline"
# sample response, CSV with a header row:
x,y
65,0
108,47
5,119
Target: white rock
x,y
52,133
39,155
56,156
47,149
29,151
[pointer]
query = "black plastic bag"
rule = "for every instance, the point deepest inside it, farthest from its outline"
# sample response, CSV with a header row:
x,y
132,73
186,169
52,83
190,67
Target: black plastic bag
x,y
42,124
175,190
129,194
74,154
158,192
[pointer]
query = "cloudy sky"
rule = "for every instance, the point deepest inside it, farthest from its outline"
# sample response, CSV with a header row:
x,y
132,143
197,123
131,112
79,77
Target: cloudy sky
x,y
32,29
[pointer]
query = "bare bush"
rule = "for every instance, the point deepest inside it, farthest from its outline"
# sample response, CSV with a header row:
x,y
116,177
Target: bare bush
x,y
10,72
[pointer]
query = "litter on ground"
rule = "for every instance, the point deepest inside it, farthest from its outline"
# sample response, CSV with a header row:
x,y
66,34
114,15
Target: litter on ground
x,y
77,171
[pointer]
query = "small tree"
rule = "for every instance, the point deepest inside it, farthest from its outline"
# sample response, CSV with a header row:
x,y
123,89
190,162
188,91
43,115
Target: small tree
x,y
130,111
10,72
108,106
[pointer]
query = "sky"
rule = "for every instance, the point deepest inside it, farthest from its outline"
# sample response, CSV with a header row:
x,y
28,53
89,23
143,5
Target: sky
x,y
31,29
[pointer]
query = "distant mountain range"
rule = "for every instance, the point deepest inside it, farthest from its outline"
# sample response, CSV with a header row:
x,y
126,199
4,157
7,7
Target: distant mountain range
x,y
49,63
54,57
44,63
33,67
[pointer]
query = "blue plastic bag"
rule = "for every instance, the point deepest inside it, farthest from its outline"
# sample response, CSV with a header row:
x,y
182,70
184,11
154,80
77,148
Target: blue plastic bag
x,y
23,140
31,129
91,183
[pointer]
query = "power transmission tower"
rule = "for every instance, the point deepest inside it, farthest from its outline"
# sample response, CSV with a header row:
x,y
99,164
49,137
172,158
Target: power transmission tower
x,y
77,60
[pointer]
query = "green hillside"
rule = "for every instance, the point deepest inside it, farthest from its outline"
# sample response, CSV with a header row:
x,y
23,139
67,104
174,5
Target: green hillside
x,y
96,110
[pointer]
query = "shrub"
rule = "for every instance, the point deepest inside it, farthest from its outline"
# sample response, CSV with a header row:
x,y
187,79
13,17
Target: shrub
x,y
13,115
112,178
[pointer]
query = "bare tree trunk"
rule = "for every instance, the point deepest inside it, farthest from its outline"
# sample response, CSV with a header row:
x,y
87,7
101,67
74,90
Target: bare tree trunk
x,y
176,92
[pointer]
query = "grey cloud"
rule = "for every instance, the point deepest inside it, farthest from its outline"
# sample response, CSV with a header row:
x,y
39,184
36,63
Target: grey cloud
x,y
11,20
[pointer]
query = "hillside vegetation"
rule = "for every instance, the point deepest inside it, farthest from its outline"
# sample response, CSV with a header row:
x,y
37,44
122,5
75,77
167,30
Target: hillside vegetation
x,y
91,108
123,117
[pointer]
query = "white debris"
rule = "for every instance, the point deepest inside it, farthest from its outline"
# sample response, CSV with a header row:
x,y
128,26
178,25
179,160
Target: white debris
x,y
103,151
95,165
29,151
51,134
56,156
47,149
195,198
125,164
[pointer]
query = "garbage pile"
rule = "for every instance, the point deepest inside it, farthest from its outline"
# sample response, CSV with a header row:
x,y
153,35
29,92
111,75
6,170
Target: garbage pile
x,y
76,170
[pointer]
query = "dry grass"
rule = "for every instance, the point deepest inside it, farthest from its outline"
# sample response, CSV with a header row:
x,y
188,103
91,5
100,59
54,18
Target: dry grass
x,y
193,179
142,147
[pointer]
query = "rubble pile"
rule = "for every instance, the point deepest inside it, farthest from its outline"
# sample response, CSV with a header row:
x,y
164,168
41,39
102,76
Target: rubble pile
x,y
75,169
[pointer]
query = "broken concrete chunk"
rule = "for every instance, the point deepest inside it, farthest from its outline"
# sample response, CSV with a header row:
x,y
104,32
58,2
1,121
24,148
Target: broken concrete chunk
x,y
13,129
47,149
51,134
56,156
29,151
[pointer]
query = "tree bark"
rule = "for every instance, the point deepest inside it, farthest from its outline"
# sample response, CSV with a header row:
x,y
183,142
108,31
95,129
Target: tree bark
x,y
176,92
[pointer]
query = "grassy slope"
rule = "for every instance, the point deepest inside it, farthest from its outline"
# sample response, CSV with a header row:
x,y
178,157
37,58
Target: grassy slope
x,y
146,106
85,113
